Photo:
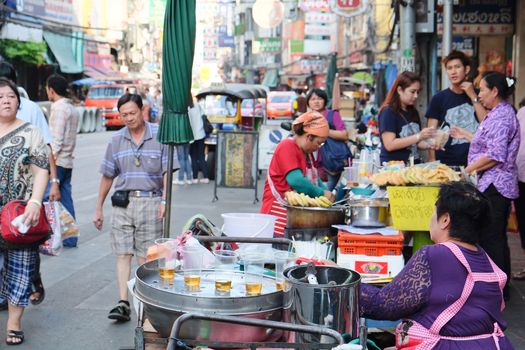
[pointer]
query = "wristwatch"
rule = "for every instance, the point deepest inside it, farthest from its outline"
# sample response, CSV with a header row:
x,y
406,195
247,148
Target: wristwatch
x,y
475,100
54,180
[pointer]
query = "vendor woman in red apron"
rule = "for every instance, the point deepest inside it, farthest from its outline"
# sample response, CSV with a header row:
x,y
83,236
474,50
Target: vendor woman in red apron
x,y
293,167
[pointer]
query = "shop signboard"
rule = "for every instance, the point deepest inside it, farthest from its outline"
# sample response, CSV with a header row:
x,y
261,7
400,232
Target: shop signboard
x,y
60,10
308,66
317,29
319,17
345,8
30,7
225,40
266,45
315,5
317,47
296,47
459,43
482,17
236,160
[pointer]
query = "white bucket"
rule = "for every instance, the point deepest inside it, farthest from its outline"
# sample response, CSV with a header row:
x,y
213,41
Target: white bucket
x,y
248,225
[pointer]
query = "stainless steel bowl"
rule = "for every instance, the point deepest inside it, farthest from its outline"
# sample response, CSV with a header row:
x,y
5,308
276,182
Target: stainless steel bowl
x,y
163,305
368,213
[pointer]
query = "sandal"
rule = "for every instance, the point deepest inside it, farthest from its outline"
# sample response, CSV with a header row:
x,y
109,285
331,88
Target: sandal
x,y
37,287
120,313
17,337
520,276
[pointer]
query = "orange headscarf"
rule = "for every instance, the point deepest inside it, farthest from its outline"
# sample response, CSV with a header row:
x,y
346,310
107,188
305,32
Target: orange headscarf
x,y
314,123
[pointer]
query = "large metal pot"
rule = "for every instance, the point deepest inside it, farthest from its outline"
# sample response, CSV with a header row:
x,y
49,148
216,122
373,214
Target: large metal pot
x,y
164,304
332,303
314,217
368,213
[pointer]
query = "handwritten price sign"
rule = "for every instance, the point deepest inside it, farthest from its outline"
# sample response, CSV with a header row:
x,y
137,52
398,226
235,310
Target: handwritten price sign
x,y
412,207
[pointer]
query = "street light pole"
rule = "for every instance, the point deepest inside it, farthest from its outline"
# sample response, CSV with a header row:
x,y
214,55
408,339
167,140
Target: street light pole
x,y
446,46
407,16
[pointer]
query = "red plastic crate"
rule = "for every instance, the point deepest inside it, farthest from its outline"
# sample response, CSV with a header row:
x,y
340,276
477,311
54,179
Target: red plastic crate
x,y
371,245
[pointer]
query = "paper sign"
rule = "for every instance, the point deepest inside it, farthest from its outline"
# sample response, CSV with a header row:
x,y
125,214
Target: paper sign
x,y
412,207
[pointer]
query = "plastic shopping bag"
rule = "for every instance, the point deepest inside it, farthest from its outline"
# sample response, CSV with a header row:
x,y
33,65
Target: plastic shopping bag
x,y
68,225
53,245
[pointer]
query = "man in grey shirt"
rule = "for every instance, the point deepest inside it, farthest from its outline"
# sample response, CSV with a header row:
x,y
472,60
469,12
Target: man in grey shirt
x,y
138,162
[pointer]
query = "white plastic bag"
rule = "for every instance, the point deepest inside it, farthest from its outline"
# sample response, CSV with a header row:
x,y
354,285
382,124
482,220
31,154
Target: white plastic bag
x,y
68,225
53,245
208,259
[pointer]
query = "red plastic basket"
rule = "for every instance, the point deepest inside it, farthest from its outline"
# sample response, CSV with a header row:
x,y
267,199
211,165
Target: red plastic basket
x,y
371,245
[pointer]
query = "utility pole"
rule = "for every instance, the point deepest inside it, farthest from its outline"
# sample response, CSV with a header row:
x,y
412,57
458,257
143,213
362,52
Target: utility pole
x,y
407,35
446,46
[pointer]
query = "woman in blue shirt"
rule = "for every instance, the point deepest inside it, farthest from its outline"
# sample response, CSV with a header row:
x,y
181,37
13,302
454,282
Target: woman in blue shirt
x,y
399,124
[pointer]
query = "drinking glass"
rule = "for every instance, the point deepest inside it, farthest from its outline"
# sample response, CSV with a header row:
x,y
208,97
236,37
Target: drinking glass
x,y
283,260
192,265
254,270
167,258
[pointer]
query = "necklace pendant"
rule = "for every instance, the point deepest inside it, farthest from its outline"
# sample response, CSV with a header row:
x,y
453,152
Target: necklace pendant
x,y
137,162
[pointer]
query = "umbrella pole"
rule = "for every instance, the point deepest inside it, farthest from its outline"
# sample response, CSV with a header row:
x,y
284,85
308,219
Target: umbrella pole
x,y
169,187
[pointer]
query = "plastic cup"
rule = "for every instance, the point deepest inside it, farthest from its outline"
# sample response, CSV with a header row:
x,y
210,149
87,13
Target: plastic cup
x,y
254,270
225,259
283,260
225,262
167,258
192,265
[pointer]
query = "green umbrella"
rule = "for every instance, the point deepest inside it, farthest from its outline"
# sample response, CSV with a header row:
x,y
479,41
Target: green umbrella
x,y
177,60
330,78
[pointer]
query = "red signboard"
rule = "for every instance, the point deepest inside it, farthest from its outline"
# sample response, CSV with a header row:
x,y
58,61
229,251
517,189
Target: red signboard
x,y
348,4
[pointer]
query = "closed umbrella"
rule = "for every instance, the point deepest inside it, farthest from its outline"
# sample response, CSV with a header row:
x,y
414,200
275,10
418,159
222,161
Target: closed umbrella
x,y
330,78
177,61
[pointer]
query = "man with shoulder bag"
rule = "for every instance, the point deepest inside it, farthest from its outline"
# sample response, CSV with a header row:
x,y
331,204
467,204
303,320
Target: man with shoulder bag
x,y
138,162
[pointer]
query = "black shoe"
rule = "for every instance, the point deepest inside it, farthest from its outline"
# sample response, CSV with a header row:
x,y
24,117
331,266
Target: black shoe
x,y
121,312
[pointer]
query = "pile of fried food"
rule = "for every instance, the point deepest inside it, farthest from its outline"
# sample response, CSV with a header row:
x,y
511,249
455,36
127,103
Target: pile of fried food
x,y
302,200
416,175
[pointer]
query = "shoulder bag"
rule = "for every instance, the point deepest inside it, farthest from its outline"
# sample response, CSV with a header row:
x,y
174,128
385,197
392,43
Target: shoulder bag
x,y
334,153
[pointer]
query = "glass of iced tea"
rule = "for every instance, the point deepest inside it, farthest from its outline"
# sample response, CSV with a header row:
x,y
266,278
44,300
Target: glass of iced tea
x,y
283,259
254,270
192,266
225,263
167,258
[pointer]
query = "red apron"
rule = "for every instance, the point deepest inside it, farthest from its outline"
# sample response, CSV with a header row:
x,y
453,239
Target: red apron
x,y
417,337
277,209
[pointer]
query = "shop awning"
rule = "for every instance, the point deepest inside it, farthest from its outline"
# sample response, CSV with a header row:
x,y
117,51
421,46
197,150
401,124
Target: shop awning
x,y
61,46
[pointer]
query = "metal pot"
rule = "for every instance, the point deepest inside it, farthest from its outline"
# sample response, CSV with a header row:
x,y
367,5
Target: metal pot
x,y
369,213
332,303
164,304
314,217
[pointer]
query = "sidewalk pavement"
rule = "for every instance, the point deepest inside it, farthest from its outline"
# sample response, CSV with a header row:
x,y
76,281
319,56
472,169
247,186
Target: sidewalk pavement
x,y
514,312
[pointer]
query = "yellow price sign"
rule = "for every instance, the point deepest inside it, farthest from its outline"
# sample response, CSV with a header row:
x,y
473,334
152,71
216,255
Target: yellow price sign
x,y
412,207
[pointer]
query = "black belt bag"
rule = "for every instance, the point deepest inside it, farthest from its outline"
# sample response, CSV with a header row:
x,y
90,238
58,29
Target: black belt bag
x,y
120,199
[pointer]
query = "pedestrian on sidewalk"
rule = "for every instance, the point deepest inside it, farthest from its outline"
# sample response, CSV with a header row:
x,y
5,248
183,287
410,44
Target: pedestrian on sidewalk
x,y
520,201
198,161
138,162
63,121
25,170
492,155
30,112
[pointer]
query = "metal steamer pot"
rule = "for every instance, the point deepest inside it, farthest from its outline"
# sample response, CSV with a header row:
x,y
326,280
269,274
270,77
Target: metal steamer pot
x,y
164,304
368,212
332,303
314,217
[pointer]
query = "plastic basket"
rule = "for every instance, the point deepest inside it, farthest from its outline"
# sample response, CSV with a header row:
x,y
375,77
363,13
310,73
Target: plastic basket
x,y
371,245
